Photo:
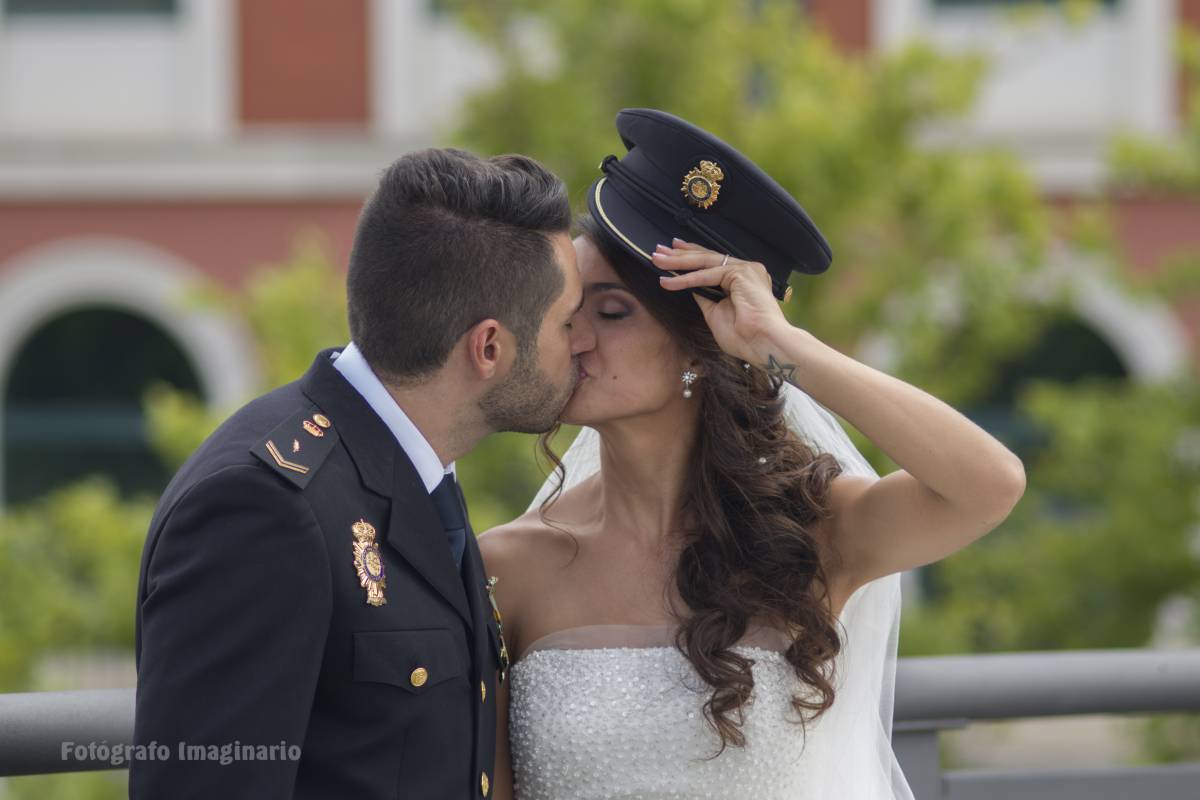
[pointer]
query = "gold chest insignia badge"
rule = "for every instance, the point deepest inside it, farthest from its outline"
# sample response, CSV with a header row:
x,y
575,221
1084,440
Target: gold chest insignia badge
x,y
368,562
491,583
702,185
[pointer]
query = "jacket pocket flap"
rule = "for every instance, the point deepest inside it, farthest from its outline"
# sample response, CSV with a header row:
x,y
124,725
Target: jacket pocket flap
x,y
411,659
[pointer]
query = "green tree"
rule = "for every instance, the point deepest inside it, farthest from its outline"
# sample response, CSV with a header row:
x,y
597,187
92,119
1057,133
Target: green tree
x,y
1140,165
69,562
840,133
1102,536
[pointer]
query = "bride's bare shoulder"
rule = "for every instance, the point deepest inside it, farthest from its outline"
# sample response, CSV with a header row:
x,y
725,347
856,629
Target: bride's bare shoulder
x,y
531,542
526,556
511,545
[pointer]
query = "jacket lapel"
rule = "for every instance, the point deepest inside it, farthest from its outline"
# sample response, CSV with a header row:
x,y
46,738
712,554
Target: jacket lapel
x,y
414,529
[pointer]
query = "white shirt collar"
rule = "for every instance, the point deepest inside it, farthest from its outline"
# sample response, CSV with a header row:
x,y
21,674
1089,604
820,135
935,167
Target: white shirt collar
x,y
358,373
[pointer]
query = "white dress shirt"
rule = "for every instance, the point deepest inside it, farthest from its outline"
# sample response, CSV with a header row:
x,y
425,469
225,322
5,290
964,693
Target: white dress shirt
x,y
358,373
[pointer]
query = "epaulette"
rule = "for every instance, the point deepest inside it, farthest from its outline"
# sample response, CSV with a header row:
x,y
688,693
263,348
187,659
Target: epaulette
x,y
298,446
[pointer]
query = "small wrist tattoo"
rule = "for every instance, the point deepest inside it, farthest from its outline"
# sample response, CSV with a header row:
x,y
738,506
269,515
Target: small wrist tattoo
x,y
785,373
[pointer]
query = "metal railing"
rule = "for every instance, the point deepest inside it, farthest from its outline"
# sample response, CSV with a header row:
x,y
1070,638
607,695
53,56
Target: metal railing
x,y
932,695
949,692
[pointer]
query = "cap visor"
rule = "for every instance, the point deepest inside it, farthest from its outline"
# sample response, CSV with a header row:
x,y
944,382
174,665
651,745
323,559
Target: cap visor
x,y
638,228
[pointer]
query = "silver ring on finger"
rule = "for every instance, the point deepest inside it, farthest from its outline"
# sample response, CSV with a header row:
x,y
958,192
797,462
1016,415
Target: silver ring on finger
x,y
725,260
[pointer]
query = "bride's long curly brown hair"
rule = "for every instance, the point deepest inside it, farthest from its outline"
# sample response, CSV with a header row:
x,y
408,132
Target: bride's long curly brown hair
x,y
748,555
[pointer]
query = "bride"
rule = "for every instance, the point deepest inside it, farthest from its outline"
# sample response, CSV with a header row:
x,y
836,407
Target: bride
x,y
703,600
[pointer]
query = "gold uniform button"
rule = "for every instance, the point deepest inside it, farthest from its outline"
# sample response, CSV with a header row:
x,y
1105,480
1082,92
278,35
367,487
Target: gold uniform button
x,y
419,676
482,692
322,420
483,783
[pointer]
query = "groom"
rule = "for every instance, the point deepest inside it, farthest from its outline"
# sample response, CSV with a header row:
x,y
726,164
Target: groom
x,y
313,618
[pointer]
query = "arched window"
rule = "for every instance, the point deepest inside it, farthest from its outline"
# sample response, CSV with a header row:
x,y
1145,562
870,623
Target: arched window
x,y
1068,350
73,401
88,314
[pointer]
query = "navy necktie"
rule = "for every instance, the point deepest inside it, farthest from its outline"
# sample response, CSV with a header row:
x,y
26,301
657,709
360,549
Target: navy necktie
x,y
445,498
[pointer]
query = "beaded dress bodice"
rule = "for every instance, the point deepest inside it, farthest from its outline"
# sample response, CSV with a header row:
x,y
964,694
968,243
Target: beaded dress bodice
x,y
602,712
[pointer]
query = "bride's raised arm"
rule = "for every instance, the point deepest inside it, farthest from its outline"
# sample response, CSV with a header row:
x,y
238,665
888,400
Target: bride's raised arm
x,y
956,482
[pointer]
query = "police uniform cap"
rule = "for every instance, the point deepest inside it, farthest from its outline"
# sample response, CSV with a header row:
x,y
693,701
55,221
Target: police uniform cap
x,y
666,186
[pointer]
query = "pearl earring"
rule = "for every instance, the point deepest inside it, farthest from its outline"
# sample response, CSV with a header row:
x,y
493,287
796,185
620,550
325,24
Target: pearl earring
x,y
689,378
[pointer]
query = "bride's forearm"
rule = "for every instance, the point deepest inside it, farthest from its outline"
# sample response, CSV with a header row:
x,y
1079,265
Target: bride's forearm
x,y
933,442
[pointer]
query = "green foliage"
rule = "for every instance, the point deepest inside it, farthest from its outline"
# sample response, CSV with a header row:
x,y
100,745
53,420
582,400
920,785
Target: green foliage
x,y
69,562
499,477
292,310
1103,535
840,133
68,576
503,473
110,785
1173,166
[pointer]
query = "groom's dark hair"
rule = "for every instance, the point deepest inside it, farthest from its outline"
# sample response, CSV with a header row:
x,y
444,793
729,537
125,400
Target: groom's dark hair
x,y
447,240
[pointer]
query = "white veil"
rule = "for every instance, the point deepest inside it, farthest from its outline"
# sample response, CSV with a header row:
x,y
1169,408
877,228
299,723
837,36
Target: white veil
x,y
848,750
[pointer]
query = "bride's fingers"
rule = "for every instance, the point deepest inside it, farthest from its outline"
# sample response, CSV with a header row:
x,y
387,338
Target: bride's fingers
x,y
700,259
713,276
680,244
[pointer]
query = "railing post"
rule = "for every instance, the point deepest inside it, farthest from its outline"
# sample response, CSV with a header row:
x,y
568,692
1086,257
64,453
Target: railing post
x,y
915,743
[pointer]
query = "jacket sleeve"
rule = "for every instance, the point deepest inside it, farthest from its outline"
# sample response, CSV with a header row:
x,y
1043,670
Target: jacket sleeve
x,y
234,619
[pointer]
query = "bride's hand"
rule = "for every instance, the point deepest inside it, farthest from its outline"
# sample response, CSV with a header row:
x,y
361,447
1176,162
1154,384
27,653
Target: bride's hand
x,y
745,320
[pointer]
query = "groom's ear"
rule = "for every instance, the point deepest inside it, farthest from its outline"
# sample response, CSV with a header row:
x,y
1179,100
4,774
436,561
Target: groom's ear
x,y
489,348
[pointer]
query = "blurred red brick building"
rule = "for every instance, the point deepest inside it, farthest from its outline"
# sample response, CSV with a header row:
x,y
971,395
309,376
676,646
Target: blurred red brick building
x,y
147,142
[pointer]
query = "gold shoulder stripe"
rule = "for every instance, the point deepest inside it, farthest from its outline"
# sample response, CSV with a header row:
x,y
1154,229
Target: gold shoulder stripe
x,y
283,462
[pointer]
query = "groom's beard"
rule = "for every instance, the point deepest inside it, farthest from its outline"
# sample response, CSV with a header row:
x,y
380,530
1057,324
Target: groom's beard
x,y
527,401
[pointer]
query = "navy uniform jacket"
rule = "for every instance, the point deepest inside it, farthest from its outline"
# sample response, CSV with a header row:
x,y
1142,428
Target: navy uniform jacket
x,y
253,627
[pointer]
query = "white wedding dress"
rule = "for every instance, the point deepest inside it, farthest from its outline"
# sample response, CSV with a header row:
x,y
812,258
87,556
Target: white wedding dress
x,y
615,711
609,712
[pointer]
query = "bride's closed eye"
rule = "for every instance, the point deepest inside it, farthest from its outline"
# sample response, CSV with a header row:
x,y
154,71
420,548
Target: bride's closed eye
x,y
611,309
610,300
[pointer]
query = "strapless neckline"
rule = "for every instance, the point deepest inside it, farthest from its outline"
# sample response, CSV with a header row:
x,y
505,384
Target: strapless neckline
x,y
653,636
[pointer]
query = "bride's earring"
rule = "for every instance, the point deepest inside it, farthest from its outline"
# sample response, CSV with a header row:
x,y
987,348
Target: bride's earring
x,y
689,378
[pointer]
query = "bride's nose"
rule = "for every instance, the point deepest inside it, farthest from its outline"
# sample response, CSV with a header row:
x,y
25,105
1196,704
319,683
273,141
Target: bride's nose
x,y
583,334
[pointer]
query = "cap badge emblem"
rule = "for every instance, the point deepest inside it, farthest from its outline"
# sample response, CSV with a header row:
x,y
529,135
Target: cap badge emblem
x,y
702,185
